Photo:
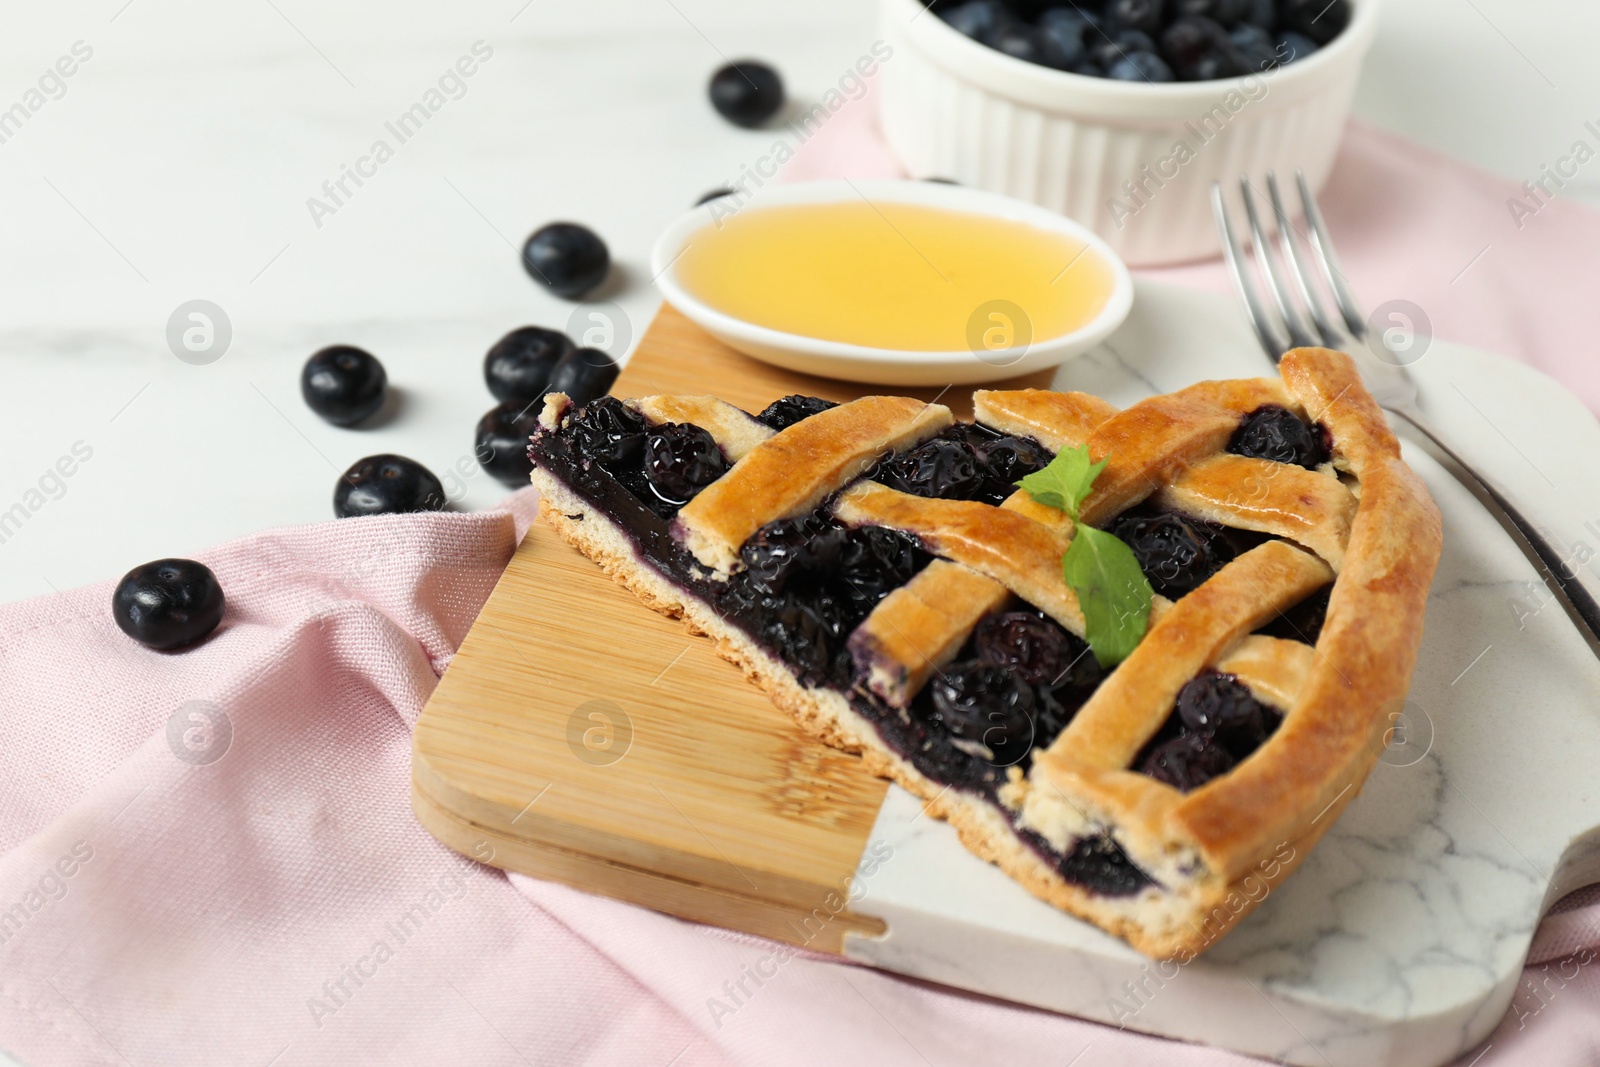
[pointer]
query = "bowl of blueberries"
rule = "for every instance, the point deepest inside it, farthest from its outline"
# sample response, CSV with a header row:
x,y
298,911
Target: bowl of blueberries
x,y
1122,113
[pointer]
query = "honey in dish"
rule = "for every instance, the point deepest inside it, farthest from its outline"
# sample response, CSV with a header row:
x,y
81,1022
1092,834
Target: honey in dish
x,y
896,276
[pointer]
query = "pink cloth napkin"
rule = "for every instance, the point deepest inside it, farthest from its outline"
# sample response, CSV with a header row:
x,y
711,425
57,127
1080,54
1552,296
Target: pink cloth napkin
x,y
209,857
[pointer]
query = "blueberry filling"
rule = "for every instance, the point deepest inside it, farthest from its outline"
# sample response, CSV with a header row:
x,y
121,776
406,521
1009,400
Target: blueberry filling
x,y
1303,622
1175,552
784,413
964,462
1216,725
1275,433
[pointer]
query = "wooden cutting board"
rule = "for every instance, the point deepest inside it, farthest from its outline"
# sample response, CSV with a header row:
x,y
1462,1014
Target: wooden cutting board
x,y
580,737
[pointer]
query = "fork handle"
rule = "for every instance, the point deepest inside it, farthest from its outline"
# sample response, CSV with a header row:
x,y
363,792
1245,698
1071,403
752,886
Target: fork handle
x,y
1559,574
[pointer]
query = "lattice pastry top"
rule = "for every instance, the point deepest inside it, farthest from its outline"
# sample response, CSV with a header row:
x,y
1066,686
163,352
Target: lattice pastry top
x,y
873,566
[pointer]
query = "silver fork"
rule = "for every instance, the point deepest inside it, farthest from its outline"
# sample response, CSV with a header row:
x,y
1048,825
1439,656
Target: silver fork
x,y
1390,385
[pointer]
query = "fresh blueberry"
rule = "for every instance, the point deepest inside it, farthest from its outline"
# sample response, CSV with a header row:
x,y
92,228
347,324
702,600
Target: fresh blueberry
x,y
1089,69
1196,47
680,459
1063,29
1225,12
1263,13
1175,553
1188,762
609,432
502,443
566,258
937,468
517,369
1019,41
1319,20
1140,66
168,604
714,194
344,385
387,485
1275,433
784,413
584,374
985,705
1144,15
746,93
1255,46
1291,46
977,19
1124,43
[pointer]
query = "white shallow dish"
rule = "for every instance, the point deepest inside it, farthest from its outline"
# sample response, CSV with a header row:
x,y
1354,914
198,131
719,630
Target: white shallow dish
x,y
954,108
882,366
1401,940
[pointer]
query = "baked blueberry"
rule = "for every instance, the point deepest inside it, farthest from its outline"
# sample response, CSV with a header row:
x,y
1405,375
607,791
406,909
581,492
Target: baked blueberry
x,y
501,444
790,549
680,459
937,468
874,560
343,384
1099,865
517,369
387,485
1188,762
584,374
168,604
746,93
985,705
1278,434
784,413
1219,706
609,432
566,258
1320,20
1304,621
1035,649
1175,553
808,631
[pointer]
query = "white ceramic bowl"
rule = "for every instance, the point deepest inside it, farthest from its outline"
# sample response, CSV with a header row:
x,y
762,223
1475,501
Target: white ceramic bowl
x,y
954,108
881,366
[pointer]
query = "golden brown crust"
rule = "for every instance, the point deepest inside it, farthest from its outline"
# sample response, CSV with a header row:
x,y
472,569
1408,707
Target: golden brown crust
x,y
791,472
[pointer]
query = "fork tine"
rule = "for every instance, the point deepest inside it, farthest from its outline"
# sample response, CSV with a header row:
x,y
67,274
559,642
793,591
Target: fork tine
x,y
1331,337
1247,291
1328,260
1299,335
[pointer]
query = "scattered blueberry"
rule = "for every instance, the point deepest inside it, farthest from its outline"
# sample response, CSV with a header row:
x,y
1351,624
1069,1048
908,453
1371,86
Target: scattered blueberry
x,y
566,258
168,604
680,459
1175,553
610,432
1320,20
746,93
501,444
517,369
715,194
1278,434
784,413
387,485
1140,66
584,374
343,384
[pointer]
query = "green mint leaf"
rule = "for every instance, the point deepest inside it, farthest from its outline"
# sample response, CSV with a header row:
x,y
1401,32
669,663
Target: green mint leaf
x,y
1066,481
1112,591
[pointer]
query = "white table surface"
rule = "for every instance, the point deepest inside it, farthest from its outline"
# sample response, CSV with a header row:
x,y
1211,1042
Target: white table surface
x,y
178,163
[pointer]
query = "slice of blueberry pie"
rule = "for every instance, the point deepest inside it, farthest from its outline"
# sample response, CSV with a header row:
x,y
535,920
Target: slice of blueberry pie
x,y
1140,658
